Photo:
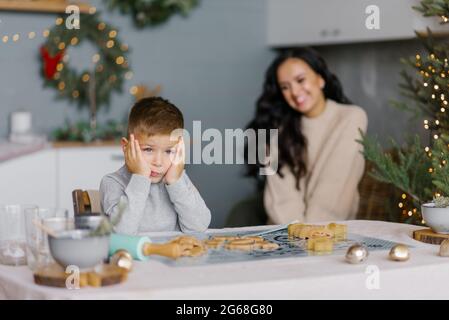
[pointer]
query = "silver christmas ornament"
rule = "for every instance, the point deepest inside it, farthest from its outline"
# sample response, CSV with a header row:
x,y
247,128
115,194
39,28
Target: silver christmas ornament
x,y
444,248
356,253
399,252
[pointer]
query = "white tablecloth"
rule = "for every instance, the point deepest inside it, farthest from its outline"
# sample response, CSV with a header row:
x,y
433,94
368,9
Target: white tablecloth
x,y
424,276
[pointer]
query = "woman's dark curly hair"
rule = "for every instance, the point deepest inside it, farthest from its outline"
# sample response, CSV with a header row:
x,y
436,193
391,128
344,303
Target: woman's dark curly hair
x,y
273,112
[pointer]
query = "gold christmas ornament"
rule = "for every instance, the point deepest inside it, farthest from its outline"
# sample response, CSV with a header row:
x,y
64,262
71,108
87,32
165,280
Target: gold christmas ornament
x,y
444,248
356,253
122,259
399,252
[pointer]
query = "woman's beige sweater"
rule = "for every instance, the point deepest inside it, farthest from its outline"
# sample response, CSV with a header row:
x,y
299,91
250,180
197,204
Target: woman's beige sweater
x,y
335,165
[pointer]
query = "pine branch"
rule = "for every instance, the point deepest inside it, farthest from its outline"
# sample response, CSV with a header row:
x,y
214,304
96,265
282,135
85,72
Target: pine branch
x,y
406,173
440,161
436,8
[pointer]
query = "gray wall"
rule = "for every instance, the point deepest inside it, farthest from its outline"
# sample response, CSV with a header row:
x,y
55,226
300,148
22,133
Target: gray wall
x,y
370,75
211,65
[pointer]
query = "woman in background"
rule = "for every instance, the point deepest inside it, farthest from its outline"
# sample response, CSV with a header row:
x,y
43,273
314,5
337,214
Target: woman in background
x,y
320,162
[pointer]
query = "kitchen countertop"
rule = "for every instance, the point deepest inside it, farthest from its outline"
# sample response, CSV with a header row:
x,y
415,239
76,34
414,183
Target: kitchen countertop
x,y
10,150
76,144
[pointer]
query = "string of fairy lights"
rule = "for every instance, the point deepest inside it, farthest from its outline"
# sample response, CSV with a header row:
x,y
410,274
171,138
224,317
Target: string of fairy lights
x,y
430,68
440,99
31,35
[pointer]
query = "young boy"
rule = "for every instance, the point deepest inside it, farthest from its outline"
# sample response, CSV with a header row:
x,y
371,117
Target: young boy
x,y
159,194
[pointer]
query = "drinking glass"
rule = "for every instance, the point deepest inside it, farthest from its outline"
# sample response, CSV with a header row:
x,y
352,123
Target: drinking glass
x,y
12,234
37,249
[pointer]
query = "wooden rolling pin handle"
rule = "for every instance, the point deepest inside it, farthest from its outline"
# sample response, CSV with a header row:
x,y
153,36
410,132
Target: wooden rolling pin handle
x,y
170,250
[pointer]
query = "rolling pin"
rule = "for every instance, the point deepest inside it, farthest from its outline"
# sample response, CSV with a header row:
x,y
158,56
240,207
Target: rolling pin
x,y
142,247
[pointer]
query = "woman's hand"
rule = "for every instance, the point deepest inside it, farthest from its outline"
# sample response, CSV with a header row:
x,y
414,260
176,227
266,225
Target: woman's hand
x,y
134,159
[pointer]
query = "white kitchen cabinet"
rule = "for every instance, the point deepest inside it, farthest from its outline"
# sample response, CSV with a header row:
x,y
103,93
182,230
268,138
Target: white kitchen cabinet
x,y
48,177
29,179
318,22
83,168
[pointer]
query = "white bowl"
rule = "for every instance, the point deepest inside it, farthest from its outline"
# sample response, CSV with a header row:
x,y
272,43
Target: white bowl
x,y
77,247
436,218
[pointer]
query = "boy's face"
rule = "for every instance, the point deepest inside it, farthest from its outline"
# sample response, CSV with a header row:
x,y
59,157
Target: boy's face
x,y
158,151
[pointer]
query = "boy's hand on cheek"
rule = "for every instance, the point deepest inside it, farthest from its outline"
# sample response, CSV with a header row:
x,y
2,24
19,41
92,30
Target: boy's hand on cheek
x,y
173,174
134,159
175,171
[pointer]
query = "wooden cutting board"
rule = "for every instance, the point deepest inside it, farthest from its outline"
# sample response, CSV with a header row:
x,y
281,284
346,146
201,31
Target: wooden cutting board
x,y
54,276
428,236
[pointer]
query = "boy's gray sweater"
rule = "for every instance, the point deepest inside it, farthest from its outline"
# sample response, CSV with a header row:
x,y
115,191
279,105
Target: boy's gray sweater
x,y
153,206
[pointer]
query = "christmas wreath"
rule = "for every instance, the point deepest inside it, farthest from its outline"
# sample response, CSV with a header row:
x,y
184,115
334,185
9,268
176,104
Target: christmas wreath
x,y
152,12
109,66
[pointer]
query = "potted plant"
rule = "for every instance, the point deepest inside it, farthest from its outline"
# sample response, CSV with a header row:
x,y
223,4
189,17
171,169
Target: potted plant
x,y
436,214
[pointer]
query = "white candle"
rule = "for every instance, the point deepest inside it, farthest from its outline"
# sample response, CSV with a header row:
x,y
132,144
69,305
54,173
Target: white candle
x,y
20,122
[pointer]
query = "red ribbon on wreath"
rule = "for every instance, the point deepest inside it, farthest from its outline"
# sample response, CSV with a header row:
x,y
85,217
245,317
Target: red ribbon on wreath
x,y
50,62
